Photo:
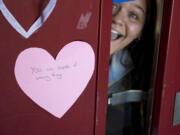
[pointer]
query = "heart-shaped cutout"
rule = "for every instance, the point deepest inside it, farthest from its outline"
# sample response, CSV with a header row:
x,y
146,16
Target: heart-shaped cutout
x,y
55,84
36,25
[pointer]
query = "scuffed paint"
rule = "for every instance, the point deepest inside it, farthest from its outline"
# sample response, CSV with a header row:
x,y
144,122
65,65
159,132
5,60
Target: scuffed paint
x,y
83,20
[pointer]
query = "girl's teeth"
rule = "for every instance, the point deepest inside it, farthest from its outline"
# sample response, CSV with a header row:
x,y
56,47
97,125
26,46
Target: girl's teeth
x,y
115,35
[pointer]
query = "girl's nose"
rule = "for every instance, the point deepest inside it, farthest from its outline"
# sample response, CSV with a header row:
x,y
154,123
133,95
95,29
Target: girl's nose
x,y
119,18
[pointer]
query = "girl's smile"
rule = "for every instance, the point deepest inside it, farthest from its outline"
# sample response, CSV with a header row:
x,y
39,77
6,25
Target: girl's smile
x,y
115,35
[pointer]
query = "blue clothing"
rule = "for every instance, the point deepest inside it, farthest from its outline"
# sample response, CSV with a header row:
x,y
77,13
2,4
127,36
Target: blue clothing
x,y
119,1
121,64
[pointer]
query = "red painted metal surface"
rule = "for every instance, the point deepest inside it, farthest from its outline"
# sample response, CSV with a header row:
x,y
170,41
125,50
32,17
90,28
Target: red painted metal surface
x,y
21,116
103,64
167,83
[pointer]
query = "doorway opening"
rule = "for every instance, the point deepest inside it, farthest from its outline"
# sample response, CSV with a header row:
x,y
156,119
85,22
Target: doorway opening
x,y
134,47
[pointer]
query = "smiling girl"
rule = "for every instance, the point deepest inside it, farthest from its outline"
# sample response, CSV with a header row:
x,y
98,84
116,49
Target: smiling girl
x,y
130,66
127,23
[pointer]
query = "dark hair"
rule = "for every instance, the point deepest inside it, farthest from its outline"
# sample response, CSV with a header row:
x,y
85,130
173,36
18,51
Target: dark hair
x,y
141,50
142,53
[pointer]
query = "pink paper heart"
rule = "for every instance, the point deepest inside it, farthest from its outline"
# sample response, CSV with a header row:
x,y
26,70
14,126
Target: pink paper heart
x,y
55,84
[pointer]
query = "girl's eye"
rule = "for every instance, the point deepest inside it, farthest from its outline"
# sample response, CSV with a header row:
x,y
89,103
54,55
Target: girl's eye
x,y
133,16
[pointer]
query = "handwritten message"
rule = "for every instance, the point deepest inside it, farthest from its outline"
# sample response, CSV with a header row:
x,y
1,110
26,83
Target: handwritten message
x,y
50,73
55,83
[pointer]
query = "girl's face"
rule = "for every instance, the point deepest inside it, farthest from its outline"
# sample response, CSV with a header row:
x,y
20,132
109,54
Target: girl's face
x,y
127,23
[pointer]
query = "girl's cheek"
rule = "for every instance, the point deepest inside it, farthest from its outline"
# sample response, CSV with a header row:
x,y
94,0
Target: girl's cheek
x,y
135,30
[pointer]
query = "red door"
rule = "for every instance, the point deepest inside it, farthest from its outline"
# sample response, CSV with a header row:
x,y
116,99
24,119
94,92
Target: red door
x,y
61,23
166,113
